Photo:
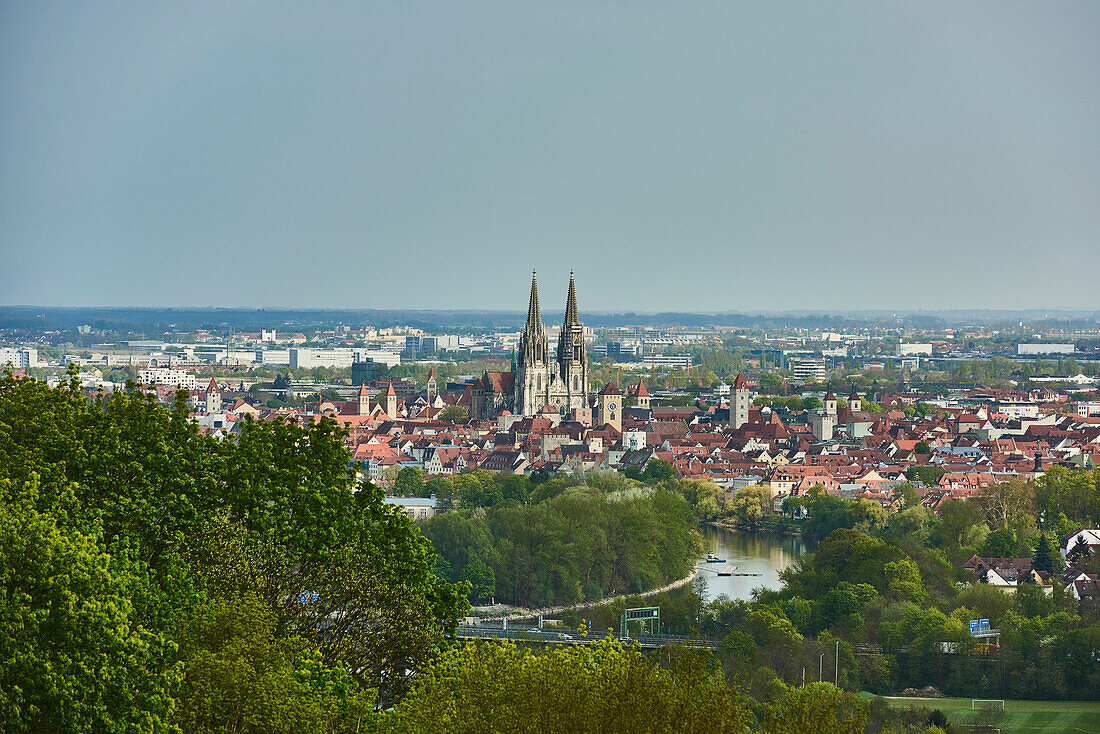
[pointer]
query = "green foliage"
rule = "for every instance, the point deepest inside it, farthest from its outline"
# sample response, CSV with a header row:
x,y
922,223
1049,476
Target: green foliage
x,y
73,657
409,482
1074,493
243,675
454,414
565,548
657,470
604,687
959,529
751,505
929,476
816,707
1001,543
702,494
477,488
482,581
1046,557
371,602
907,494
115,522
846,555
829,513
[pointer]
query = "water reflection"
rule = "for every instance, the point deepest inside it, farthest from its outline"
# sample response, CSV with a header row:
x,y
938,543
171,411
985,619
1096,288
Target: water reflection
x,y
752,553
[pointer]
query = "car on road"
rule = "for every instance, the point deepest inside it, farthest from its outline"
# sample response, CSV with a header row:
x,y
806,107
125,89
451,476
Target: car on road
x,y
564,636
535,631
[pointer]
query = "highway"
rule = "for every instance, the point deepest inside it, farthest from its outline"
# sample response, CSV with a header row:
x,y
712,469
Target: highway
x,y
570,637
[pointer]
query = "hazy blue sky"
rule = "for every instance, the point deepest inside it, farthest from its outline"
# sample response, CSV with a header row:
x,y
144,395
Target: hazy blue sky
x,y
679,155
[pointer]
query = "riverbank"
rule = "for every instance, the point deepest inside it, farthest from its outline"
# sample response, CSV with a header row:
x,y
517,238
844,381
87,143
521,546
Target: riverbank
x,y
794,532
503,611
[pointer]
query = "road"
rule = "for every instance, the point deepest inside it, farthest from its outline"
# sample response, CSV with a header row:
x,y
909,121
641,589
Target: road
x,y
571,638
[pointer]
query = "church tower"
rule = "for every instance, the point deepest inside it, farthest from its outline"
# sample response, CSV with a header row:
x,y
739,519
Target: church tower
x,y
532,379
432,386
572,357
855,403
391,402
213,397
363,399
739,402
610,406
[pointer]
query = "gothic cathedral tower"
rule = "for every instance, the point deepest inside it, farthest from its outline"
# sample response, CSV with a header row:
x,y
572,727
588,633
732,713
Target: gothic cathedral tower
x,y
532,364
562,384
572,357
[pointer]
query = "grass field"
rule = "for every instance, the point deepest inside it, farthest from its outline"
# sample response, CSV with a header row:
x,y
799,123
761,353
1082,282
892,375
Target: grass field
x,y
1023,717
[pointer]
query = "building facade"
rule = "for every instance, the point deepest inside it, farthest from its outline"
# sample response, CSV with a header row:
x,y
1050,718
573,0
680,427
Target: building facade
x,y
538,379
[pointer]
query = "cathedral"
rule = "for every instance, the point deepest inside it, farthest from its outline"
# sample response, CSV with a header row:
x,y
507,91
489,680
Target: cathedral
x,y
537,381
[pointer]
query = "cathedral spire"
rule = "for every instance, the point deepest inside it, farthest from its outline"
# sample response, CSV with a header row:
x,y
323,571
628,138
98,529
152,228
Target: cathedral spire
x,y
571,304
534,317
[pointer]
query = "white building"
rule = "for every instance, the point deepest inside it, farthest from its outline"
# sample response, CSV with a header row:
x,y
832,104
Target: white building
x,y
1017,408
18,357
809,369
301,357
918,348
167,376
1022,349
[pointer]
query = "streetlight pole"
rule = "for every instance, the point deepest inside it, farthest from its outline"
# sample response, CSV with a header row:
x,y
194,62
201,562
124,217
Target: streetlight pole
x,y
820,662
836,673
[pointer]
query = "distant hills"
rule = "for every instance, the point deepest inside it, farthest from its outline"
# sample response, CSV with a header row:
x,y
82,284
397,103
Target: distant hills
x,y
45,318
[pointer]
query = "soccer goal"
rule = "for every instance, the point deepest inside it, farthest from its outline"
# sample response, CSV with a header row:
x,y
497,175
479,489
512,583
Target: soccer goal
x,y
987,703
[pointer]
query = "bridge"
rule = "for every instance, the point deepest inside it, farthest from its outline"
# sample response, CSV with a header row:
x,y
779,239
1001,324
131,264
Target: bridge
x,y
570,637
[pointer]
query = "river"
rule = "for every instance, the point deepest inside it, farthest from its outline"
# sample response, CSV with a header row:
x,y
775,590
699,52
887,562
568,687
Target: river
x,y
746,552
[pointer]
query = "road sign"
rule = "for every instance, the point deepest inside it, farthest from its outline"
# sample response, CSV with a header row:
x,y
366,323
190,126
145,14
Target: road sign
x,y
644,613
640,614
973,626
983,625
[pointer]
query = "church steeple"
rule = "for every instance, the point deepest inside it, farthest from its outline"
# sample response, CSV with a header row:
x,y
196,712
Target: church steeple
x,y
534,317
532,343
531,374
571,304
572,333
572,360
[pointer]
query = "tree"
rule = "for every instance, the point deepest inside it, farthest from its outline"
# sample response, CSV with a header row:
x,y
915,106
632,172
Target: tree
x,y
1009,504
1045,558
922,447
482,581
817,707
372,602
1001,543
242,675
751,505
72,656
907,494
657,470
959,526
454,414
791,505
409,482
903,579
929,476
601,687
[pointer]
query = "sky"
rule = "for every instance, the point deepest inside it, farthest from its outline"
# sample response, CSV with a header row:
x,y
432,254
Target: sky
x,y
688,156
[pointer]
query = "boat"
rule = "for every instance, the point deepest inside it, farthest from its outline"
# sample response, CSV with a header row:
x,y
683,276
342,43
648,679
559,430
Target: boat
x,y
711,558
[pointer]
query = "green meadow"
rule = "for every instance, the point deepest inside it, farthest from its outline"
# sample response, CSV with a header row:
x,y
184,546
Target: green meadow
x,y
1022,717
